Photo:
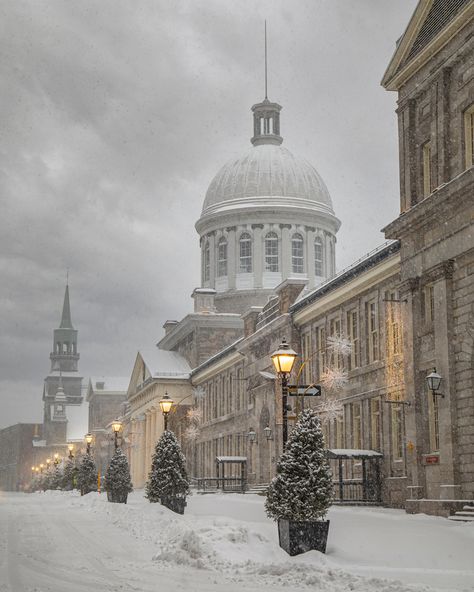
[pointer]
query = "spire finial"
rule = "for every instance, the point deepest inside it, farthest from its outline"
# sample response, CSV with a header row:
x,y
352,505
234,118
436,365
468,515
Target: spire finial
x,y
266,85
66,322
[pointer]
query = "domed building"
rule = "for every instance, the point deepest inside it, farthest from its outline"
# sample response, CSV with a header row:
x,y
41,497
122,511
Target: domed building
x,y
267,216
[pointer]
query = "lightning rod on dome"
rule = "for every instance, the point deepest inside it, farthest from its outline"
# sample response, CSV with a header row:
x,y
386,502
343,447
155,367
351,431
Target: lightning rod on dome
x,y
266,93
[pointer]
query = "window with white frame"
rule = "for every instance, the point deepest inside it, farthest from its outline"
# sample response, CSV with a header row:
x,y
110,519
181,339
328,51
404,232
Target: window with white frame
x,y
356,426
433,417
318,256
271,252
321,349
245,253
222,257
426,168
335,359
297,259
207,261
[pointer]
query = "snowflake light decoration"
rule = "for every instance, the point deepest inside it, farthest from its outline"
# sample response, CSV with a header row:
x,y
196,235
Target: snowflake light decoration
x,y
339,344
194,415
329,410
191,433
334,379
198,393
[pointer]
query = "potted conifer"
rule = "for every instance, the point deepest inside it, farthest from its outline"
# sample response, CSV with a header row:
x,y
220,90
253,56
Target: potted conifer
x,y
168,479
87,475
301,493
118,483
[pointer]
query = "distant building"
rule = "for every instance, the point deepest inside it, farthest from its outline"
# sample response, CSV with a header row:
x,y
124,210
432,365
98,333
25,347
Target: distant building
x,y
17,456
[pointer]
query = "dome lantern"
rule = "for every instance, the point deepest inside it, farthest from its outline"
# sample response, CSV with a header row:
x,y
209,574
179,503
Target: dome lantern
x,y
266,123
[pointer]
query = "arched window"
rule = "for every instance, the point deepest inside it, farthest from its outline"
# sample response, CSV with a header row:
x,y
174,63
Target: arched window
x,y
271,252
207,262
318,257
245,251
221,257
297,254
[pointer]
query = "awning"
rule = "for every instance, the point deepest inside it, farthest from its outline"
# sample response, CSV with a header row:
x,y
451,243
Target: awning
x,y
231,459
352,453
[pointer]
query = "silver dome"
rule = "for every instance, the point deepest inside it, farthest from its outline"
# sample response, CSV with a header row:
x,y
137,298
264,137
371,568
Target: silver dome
x,y
267,170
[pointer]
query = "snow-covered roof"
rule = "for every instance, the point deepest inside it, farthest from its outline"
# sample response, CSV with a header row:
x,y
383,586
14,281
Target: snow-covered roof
x,y
353,453
165,364
77,421
106,384
231,459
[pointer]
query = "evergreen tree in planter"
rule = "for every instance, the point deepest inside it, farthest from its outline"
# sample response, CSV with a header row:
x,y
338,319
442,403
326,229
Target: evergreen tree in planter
x,y
301,493
87,475
69,474
117,478
168,479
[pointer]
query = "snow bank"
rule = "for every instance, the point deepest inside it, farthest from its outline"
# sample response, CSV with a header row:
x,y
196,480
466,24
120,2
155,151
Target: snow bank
x,y
230,535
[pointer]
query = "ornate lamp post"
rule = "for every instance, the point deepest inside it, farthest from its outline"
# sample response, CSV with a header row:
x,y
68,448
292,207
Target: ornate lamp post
x,y
116,427
56,458
166,404
283,360
88,439
252,436
71,448
41,467
434,382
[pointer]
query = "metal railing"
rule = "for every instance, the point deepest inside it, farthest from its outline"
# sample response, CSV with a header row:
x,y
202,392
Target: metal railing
x,y
209,484
356,490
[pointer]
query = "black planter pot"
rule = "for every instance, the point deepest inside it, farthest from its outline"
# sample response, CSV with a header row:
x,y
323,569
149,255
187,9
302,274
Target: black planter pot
x,y
300,537
117,497
175,504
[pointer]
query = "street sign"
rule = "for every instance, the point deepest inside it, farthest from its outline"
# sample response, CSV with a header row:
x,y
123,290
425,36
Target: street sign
x,y
305,390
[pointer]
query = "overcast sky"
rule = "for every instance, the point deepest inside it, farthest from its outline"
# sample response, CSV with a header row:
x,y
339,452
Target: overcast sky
x,y
115,117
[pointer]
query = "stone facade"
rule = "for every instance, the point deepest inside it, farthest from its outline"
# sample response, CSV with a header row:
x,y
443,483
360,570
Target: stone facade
x,y
436,95
17,456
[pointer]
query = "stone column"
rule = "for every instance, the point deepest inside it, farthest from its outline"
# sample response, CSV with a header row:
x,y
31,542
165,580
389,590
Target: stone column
x,y
133,449
309,263
327,256
285,253
152,432
212,259
257,255
232,264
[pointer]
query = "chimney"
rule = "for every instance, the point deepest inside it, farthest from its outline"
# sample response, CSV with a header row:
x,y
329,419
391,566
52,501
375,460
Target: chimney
x,y
250,318
204,300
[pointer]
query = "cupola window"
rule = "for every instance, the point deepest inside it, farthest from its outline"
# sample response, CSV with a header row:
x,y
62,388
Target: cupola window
x,y
222,257
245,250
297,261
207,262
271,252
318,257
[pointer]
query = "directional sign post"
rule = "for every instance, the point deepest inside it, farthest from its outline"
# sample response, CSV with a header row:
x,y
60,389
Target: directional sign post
x,y
304,390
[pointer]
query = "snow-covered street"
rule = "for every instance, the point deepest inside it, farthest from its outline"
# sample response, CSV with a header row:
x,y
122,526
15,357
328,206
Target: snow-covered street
x,y
58,541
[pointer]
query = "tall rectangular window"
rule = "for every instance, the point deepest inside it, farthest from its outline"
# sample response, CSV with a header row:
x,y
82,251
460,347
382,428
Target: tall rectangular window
x,y
469,136
334,331
245,253
356,425
297,260
306,358
321,348
222,257
339,432
426,156
397,431
372,322
375,423
353,334
393,323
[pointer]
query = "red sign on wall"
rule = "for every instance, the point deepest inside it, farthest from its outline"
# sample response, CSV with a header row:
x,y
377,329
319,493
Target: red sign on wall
x,y
432,459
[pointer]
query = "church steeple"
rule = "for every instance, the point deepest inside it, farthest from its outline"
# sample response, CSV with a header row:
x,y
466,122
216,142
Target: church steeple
x,y
66,322
64,356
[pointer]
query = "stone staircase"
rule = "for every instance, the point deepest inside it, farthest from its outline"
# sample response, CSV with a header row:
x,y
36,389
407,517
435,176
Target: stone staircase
x,y
464,515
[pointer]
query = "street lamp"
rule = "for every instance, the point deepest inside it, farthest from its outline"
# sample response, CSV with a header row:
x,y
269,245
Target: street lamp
x,y
268,432
252,436
166,404
88,439
434,382
71,448
41,468
116,427
283,361
56,458
48,462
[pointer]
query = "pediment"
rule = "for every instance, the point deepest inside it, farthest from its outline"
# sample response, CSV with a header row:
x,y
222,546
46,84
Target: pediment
x,y
432,25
